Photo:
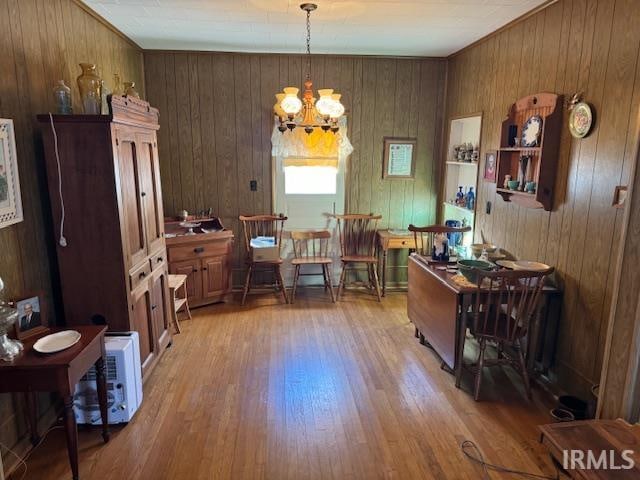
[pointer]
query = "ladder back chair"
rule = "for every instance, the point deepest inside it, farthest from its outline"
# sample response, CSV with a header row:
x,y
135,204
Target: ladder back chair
x,y
506,303
357,246
424,236
311,248
263,226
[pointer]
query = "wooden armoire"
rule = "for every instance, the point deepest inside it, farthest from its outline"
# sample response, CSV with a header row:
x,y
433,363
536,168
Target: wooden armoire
x,y
106,203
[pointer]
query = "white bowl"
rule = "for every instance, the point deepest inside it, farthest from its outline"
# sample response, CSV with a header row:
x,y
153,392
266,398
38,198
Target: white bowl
x,y
56,342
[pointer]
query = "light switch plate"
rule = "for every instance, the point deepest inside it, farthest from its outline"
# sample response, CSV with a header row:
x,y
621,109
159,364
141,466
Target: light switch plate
x,y
620,196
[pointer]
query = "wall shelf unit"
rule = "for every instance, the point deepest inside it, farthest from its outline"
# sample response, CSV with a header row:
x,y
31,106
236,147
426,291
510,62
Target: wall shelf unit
x,y
542,159
463,130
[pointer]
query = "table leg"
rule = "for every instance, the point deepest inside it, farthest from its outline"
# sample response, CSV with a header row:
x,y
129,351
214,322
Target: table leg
x,y
533,341
71,430
32,415
462,333
101,384
384,272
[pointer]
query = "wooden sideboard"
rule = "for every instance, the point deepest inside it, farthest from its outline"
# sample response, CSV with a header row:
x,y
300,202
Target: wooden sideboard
x,y
205,258
113,268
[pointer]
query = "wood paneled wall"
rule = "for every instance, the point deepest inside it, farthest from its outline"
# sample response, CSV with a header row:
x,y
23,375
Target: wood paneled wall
x,y
216,123
43,41
620,380
589,46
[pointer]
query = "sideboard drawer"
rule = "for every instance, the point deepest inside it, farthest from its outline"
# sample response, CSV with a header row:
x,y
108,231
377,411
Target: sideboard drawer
x,y
197,250
402,243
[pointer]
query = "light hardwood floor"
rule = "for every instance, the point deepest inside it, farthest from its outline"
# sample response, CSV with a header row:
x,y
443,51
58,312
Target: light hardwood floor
x,y
313,390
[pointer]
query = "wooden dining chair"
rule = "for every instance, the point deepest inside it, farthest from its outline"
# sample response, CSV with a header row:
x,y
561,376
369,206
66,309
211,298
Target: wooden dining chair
x,y
424,236
357,247
263,226
311,248
506,303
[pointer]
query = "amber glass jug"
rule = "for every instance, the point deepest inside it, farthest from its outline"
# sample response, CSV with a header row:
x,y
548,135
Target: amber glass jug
x,y
90,87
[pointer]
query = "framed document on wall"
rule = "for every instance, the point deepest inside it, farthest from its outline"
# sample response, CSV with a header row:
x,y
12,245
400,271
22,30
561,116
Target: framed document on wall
x,y
399,159
10,200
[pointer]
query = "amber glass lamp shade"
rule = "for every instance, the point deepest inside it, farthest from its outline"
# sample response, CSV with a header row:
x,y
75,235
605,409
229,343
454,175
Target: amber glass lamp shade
x,y
277,108
325,103
337,109
291,104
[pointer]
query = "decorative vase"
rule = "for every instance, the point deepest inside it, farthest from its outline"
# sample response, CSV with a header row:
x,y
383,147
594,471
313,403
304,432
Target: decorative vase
x,y
89,84
8,315
130,90
117,86
62,97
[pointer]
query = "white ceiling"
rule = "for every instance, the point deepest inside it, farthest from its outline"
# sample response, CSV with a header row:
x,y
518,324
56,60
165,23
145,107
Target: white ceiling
x,y
365,27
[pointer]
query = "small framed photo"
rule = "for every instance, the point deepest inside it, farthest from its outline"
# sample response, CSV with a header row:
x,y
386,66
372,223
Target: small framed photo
x,y
399,158
32,316
490,166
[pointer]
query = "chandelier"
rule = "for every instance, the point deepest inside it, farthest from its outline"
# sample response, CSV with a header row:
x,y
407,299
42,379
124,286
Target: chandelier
x,y
307,113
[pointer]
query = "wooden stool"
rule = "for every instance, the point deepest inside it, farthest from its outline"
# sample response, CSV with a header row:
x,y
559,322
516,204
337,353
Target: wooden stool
x,y
176,283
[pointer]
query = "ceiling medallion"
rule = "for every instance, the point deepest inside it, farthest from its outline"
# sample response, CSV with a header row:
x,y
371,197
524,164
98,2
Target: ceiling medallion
x,y
307,113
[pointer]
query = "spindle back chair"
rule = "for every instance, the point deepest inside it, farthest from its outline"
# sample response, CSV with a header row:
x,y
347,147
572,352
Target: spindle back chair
x,y
263,226
358,246
424,236
507,301
311,248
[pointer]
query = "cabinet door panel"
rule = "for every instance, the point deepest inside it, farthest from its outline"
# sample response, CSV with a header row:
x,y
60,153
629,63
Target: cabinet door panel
x,y
160,308
215,276
143,324
190,268
131,198
151,190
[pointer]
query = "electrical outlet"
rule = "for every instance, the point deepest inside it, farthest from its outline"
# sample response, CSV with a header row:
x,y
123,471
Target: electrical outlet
x,y
253,185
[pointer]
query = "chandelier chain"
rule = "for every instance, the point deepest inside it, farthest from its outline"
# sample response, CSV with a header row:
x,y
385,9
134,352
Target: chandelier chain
x,y
308,44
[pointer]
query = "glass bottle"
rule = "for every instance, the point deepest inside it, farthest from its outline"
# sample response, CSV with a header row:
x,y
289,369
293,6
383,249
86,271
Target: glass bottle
x,y
471,199
62,98
90,89
460,197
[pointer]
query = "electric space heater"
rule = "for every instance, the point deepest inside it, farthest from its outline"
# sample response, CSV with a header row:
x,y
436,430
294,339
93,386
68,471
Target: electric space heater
x,y
124,383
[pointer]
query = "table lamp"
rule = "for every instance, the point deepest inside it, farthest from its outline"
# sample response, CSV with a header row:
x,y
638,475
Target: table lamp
x,y
8,315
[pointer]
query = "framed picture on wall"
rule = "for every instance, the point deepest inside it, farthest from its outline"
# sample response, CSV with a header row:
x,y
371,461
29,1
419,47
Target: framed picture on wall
x,y
10,200
399,160
490,166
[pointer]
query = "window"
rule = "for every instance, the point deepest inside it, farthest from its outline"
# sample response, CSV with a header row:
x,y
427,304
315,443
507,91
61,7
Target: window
x,y
310,180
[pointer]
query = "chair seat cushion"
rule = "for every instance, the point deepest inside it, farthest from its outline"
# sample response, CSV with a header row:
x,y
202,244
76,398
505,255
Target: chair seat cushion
x,y
311,261
359,258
